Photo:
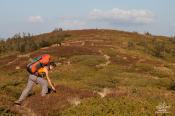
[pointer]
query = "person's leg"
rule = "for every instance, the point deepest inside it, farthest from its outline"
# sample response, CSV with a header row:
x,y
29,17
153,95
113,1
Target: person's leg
x,y
43,83
26,91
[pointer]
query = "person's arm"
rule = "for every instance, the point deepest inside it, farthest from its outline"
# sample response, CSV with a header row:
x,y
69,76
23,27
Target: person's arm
x,y
48,79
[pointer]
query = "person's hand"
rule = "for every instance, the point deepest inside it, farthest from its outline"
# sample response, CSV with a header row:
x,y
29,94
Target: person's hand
x,y
54,90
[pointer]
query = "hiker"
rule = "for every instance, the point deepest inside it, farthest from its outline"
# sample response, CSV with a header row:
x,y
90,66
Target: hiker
x,y
40,76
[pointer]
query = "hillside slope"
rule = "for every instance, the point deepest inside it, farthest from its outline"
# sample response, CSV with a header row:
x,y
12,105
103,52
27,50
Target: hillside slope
x,y
100,72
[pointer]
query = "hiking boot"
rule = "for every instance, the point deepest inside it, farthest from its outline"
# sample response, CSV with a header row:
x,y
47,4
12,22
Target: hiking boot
x,y
17,102
50,90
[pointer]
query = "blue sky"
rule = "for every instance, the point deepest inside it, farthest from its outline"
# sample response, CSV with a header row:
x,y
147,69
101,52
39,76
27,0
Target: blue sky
x,y
39,16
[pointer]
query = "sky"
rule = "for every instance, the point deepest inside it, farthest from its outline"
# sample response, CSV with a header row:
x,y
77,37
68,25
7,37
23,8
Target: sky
x,y
40,16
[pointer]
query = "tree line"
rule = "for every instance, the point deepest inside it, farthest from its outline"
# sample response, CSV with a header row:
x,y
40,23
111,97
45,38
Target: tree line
x,y
155,47
26,42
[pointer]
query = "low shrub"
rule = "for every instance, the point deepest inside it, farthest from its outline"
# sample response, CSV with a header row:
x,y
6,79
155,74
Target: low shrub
x,y
172,86
131,44
158,49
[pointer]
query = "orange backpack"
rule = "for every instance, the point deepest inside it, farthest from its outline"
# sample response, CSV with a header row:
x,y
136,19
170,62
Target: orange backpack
x,y
38,63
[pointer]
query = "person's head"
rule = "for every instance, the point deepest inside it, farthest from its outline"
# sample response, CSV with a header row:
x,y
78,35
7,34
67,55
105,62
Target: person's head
x,y
51,65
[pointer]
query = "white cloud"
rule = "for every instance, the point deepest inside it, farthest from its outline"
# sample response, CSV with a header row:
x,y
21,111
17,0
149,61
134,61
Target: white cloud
x,y
121,16
35,19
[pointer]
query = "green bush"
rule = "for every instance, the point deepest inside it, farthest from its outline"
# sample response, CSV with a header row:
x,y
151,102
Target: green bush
x,y
142,43
121,106
158,49
131,44
148,34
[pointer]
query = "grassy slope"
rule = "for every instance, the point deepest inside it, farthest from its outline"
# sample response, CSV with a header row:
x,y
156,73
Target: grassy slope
x,y
138,80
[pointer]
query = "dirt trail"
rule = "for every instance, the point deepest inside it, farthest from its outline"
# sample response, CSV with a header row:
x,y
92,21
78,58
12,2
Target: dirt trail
x,y
54,102
106,57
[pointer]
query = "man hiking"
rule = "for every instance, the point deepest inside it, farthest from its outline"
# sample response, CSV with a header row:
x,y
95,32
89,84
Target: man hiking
x,y
39,74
